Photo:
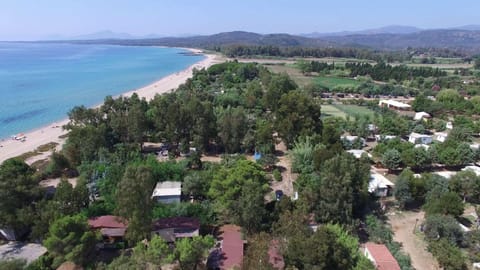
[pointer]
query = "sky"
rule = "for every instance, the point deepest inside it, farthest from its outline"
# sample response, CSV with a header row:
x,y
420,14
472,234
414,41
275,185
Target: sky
x,y
35,19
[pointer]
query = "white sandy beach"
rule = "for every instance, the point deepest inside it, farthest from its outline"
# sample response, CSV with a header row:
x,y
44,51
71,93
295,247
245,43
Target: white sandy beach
x,y
11,148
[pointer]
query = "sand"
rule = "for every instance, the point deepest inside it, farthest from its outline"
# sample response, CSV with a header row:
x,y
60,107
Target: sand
x,y
12,148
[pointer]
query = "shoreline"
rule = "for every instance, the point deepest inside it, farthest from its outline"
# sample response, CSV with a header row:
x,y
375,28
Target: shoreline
x,y
10,148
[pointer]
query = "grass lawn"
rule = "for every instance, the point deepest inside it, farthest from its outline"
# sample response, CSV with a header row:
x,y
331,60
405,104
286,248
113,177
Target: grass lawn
x,y
339,110
332,82
332,110
353,110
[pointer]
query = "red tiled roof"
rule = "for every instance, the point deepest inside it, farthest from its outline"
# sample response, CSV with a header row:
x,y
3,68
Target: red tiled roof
x,y
275,259
176,222
107,222
384,260
232,247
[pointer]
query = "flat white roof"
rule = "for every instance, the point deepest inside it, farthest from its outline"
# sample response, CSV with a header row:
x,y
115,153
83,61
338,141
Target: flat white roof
x,y
475,169
378,181
420,115
394,103
418,135
358,153
446,174
167,188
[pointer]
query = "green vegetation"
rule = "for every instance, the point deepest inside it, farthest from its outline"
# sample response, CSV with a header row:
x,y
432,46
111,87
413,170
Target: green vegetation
x,y
336,83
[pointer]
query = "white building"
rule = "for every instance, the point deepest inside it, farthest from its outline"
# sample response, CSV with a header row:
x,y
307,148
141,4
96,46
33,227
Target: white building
x,y
417,138
353,139
445,174
421,115
379,185
440,136
358,153
167,192
394,104
449,125
384,137
475,169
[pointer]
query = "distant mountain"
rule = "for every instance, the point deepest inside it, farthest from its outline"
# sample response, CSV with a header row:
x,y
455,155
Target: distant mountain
x,y
222,39
470,27
102,35
450,38
391,29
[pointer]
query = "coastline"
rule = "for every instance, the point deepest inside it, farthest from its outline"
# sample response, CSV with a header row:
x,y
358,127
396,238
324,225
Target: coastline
x,y
50,133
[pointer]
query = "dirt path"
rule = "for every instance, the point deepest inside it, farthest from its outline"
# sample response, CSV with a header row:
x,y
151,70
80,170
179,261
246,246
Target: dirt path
x,y
402,225
286,185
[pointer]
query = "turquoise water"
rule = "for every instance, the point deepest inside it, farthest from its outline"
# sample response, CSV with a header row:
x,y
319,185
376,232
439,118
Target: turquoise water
x,y
40,83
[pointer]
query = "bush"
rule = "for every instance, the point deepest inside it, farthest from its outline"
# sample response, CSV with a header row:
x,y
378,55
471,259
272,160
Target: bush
x,y
277,175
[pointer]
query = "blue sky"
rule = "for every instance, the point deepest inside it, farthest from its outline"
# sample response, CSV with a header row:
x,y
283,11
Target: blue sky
x,y
34,19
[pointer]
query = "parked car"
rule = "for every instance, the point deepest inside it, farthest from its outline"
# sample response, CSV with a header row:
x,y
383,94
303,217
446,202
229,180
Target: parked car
x,y
278,194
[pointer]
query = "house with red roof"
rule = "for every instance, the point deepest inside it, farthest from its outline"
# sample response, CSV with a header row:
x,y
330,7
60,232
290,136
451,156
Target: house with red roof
x,y
381,257
173,228
229,254
112,228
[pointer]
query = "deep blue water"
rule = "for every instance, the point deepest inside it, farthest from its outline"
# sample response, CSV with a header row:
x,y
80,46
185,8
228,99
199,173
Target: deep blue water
x,y
40,83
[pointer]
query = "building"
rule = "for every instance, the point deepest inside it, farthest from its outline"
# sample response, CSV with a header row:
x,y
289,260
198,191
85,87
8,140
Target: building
x,y
475,169
21,251
112,229
440,136
381,257
445,174
449,125
417,138
167,192
379,185
393,104
358,153
421,115
170,229
230,253
384,137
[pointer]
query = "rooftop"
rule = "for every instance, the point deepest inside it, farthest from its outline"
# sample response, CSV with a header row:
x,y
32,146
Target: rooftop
x,y
167,188
378,181
394,103
232,246
107,222
17,250
176,222
384,260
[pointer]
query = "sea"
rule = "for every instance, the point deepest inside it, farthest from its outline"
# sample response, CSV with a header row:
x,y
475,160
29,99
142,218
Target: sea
x,y
41,82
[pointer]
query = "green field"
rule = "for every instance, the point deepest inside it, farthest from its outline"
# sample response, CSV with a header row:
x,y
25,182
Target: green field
x,y
333,82
338,110
332,111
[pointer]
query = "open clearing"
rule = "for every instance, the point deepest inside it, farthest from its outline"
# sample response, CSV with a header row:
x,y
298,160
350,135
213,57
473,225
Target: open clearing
x,y
340,110
333,82
402,225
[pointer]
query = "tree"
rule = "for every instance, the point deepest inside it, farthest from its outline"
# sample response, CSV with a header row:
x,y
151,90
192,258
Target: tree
x,y
250,207
232,123
448,203
196,184
466,184
12,264
476,64
70,239
134,201
441,226
377,231
448,255
190,252
18,191
402,188
302,155
391,159
297,115
227,183
155,253
343,189
257,254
